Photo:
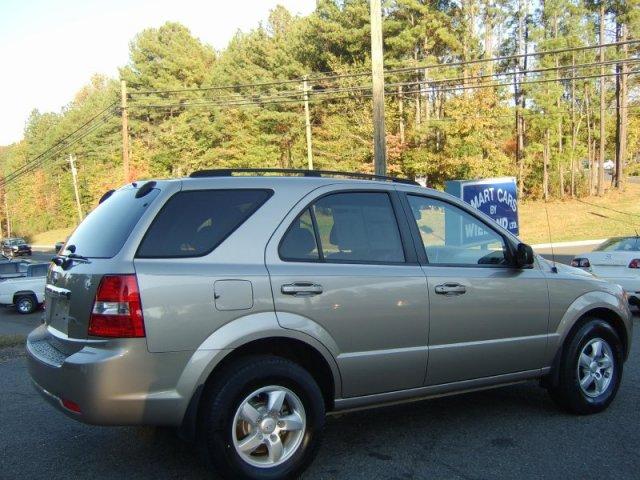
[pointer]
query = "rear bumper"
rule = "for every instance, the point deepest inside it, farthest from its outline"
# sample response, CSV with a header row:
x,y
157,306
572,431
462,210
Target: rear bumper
x,y
112,383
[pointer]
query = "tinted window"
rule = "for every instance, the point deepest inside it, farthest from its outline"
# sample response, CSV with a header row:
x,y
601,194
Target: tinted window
x,y
452,236
9,267
193,223
356,227
299,243
37,270
103,233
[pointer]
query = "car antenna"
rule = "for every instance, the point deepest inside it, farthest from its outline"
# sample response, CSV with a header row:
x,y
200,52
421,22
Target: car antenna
x,y
554,268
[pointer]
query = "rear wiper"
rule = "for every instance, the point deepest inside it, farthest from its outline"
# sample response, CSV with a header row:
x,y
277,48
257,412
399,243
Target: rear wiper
x,y
75,256
65,261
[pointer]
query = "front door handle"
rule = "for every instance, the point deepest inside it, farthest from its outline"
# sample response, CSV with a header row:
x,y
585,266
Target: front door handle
x,y
450,289
301,289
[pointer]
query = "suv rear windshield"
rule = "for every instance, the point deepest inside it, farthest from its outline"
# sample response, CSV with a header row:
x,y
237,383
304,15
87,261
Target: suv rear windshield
x,y
103,233
193,223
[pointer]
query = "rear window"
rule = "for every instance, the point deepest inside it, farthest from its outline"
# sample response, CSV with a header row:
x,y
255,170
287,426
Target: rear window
x,y
627,244
103,233
193,223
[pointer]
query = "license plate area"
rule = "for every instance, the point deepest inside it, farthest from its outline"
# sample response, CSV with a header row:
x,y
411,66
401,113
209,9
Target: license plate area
x,y
57,308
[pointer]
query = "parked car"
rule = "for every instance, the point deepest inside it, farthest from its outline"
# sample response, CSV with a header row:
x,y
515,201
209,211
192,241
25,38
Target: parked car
x,y
15,247
243,308
616,260
25,293
609,165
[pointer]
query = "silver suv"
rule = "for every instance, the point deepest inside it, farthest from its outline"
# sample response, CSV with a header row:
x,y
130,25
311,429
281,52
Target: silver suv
x,y
241,309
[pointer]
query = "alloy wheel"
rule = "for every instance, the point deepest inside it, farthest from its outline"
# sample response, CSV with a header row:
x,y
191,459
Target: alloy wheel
x,y
595,367
269,426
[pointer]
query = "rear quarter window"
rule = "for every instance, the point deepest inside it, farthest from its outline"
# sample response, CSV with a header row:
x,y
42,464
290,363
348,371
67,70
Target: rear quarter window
x,y
194,223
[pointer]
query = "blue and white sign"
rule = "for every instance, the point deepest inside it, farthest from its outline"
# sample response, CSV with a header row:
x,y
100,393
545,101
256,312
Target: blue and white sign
x,y
496,197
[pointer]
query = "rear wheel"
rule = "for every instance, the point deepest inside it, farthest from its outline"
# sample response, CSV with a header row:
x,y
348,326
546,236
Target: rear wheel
x,y
590,369
262,419
26,304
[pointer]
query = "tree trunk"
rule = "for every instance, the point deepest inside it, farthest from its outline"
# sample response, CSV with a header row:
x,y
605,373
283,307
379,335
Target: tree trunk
x,y
545,163
520,100
590,147
602,106
574,135
622,100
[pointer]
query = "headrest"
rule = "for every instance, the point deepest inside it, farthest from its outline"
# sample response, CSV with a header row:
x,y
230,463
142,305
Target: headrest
x,y
299,242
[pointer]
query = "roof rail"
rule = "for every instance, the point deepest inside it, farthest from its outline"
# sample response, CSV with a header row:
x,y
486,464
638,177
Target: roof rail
x,y
229,172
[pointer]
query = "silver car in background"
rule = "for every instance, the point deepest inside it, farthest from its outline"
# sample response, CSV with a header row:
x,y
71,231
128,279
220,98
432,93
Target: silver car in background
x,y
616,260
242,309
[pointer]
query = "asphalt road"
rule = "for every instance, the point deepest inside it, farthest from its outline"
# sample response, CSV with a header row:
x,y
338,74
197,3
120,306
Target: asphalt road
x,y
511,432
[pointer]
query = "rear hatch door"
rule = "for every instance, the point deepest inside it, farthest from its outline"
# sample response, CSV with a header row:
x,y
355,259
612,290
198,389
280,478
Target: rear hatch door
x,y
94,249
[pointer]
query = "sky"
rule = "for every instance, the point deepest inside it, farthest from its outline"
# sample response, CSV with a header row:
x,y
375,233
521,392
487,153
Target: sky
x,y
49,49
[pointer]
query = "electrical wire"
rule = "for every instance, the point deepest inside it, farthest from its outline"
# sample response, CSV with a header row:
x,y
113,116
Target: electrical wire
x,y
387,71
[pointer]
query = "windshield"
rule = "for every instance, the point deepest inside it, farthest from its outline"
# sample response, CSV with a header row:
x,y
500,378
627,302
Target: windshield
x,y
103,233
624,244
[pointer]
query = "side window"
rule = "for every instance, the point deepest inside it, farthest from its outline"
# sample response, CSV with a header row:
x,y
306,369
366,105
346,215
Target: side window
x,y
352,227
451,236
299,243
193,223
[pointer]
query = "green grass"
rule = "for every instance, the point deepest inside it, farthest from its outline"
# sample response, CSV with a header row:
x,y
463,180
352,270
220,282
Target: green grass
x,y
51,237
7,341
617,213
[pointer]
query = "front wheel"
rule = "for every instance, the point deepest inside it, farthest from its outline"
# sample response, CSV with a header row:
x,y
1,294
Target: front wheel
x,y
262,419
590,369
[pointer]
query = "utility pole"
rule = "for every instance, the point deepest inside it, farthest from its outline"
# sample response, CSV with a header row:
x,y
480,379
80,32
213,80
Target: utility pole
x,y
401,114
307,121
600,183
622,100
377,73
6,209
74,176
125,130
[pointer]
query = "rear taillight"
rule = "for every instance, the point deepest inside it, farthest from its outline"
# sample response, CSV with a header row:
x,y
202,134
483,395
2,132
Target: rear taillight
x,y
580,263
635,263
117,310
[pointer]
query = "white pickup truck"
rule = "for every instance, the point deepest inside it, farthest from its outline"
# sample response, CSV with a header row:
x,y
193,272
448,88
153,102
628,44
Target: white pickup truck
x,y
25,293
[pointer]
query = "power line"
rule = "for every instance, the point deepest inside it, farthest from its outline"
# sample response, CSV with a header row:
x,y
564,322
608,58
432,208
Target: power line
x,y
297,97
387,71
37,163
64,139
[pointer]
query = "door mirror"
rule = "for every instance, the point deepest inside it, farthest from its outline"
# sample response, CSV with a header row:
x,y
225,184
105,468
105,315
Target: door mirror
x,y
524,255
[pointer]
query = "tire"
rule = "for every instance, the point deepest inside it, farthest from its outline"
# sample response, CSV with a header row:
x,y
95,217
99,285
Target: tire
x,y
251,383
599,383
26,304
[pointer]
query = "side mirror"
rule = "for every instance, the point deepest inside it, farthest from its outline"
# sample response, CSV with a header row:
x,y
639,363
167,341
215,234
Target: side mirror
x,y
524,255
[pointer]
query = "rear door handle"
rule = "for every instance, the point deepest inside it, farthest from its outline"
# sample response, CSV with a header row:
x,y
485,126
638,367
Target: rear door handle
x,y
450,289
301,289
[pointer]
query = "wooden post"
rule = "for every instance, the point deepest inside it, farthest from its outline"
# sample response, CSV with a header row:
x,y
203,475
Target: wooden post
x,y
401,113
74,177
307,121
125,131
377,72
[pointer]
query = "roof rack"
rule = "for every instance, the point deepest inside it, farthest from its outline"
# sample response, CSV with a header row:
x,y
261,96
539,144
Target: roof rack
x,y
229,172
